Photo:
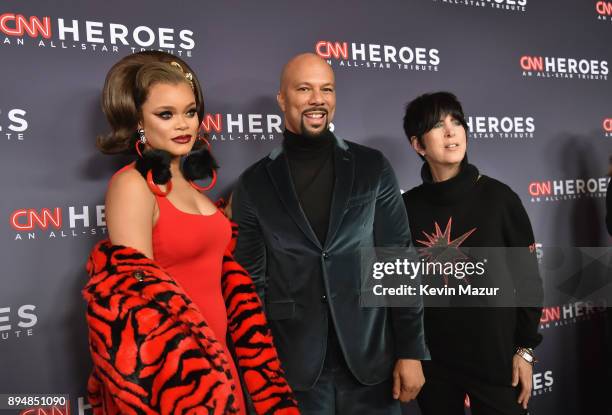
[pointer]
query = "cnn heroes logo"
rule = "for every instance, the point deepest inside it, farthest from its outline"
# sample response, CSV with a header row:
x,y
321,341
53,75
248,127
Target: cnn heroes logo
x,y
243,127
501,126
377,56
13,124
568,189
43,31
604,10
607,127
58,223
572,313
508,5
542,382
17,322
563,68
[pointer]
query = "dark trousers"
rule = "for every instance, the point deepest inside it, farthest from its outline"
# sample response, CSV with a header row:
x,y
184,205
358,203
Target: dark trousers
x,y
337,392
444,394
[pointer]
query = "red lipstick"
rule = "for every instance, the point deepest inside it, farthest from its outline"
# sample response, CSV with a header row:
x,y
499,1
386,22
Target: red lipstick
x,y
182,139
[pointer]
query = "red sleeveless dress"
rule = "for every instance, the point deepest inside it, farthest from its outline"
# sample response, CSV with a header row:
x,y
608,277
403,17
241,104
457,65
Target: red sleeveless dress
x,y
190,248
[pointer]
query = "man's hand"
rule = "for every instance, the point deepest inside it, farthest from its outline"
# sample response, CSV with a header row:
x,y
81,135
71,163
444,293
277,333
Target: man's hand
x,y
408,379
522,372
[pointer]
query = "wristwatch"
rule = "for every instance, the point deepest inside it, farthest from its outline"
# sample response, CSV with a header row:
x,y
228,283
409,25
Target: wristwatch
x,y
527,354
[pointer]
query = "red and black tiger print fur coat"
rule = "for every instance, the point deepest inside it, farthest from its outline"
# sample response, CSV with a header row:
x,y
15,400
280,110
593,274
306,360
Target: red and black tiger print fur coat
x,y
153,352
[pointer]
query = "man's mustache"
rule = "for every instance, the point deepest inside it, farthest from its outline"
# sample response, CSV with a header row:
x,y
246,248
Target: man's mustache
x,y
321,109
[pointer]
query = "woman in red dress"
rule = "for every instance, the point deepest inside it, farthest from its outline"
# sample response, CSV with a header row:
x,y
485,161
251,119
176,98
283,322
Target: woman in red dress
x,y
165,291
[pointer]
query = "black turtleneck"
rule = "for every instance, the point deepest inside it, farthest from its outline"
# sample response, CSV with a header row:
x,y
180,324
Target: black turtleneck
x,y
451,190
480,341
311,163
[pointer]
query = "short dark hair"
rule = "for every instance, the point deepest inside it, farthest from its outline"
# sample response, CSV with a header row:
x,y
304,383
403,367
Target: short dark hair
x,y
423,112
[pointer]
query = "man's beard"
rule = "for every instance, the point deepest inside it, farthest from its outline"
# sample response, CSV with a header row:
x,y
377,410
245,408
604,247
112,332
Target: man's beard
x,y
314,134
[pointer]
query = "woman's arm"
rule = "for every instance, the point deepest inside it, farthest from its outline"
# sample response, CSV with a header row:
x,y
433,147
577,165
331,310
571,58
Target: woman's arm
x,y
130,208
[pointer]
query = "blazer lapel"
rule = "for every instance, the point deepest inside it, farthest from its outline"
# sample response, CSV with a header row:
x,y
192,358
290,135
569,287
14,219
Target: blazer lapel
x,y
279,172
344,167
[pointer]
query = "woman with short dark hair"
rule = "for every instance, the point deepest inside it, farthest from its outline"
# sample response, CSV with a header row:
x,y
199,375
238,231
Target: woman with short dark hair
x,y
483,352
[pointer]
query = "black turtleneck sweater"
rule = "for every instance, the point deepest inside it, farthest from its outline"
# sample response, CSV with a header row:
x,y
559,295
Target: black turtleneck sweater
x,y
311,163
478,342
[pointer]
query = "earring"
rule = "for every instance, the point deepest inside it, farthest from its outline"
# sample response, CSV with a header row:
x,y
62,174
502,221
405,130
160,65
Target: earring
x,y
141,135
155,188
141,140
200,164
212,184
154,166
213,181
